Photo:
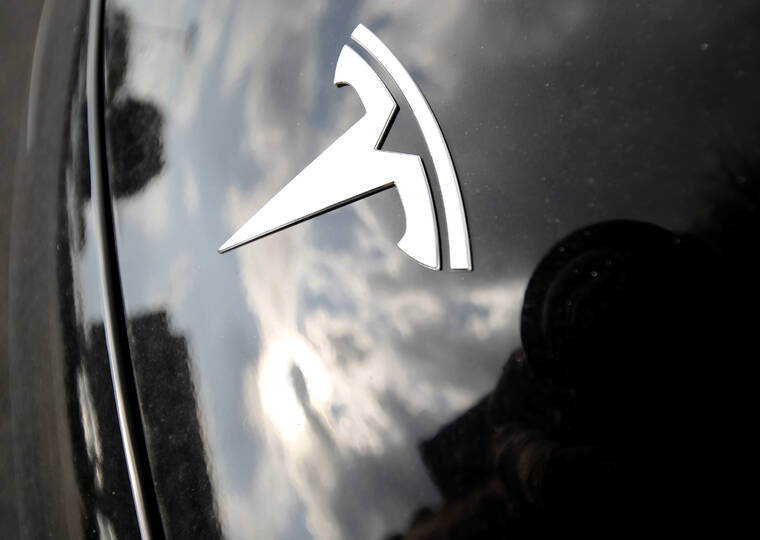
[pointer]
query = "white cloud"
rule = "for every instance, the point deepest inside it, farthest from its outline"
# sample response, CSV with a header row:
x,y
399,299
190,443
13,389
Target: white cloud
x,y
390,338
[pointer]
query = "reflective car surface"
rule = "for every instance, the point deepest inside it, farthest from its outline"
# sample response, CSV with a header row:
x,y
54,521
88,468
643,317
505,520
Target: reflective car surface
x,y
588,374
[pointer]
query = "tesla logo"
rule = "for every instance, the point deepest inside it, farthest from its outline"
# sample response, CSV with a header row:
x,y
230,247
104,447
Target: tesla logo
x,y
354,167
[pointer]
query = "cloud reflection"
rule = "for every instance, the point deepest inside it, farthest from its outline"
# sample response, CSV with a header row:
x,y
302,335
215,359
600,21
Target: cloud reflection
x,y
360,354
323,354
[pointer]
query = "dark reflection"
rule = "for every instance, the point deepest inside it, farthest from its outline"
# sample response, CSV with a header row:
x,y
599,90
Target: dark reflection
x,y
136,146
312,416
118,29
730,223
103,496
135,126
557,115
603,420
107,497
160,357
173,431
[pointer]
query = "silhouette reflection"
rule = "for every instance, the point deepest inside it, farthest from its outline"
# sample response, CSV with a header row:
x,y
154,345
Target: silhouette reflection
x,y
135,126
173,430
601,421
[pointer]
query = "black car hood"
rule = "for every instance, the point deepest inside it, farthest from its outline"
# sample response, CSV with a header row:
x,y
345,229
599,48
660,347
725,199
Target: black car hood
x,y
299,385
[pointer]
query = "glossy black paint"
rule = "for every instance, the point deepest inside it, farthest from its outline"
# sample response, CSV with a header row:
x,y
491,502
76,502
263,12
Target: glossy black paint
x,y
69,475
318,383
316,367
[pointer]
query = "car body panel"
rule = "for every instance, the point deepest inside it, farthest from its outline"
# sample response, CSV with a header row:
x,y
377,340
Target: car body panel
x,y
299,375
318,382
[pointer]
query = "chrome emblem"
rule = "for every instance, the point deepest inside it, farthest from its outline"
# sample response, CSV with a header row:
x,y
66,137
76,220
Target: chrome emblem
x,y
354,167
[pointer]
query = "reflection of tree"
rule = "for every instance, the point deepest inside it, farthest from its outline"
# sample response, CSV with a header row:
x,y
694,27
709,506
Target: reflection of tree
x,y
136,145
731,222
134,127
134,132
134,153
173,432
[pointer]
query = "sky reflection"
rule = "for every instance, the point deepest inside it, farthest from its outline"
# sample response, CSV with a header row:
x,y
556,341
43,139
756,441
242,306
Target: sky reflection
x,y
323,355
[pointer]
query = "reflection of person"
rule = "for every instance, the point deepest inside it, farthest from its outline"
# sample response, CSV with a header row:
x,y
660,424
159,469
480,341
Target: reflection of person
x,y
604,421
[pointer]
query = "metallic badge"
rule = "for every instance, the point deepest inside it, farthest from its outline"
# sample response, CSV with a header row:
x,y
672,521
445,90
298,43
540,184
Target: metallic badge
x,y
354,167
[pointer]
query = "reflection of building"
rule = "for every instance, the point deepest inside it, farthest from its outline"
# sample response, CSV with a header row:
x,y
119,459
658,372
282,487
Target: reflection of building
x,y
103,479
173,433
